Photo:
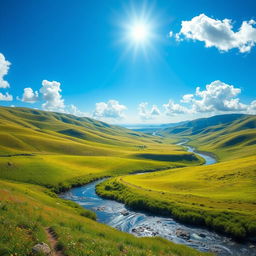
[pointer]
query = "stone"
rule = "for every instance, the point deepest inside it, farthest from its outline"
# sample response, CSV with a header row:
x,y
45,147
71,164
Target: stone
x,y
42,248
124,213
182,234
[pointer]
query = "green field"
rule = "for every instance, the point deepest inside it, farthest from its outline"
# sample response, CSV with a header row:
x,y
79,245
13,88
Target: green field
x,y
42,153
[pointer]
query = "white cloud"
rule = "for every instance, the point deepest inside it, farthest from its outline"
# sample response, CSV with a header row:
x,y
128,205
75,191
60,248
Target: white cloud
x,y
172,108
73,110
29,95
219,33
155,111
171,34
252,108
148,114
217,96
110,110
51,94
4,67
5,97
187,98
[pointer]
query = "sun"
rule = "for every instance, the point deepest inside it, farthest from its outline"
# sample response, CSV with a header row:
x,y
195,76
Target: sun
x,y
139,32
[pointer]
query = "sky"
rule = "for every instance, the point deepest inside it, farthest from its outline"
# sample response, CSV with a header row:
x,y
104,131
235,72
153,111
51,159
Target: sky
x,y
129,62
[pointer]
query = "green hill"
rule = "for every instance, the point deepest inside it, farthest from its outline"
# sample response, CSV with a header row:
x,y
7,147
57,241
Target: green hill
x,y
227,136
202,124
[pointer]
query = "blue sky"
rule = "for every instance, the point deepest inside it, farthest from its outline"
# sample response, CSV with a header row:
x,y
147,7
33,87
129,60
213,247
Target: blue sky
x,y
101,70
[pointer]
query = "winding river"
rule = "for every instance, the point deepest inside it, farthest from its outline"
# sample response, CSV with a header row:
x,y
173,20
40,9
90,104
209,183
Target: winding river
x,y
140,224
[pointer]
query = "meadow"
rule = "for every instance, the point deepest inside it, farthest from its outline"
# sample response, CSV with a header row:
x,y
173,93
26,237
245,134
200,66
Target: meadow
x,y
44,153
27,210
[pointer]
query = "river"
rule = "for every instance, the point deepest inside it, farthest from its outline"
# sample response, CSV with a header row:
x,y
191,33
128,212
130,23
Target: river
x,y
119,216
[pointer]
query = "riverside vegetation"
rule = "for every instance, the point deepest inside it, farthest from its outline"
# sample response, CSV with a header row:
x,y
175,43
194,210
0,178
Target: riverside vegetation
x,y
44,153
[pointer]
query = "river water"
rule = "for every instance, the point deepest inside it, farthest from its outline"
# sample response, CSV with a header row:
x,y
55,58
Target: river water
x,y
140,224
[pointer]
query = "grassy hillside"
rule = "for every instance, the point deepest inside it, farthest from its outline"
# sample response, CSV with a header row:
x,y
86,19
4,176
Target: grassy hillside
x,y
220,196
227,136
59,150
199,125
28,211
232,141
45,152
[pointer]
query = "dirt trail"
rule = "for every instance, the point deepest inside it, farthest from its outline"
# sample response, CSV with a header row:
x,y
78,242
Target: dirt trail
x,y
53,240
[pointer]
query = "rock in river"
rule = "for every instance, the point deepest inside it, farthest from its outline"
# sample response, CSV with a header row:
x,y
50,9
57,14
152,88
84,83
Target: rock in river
x,y
182,234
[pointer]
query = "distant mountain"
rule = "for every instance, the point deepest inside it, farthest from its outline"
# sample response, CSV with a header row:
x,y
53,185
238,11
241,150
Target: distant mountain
x,y
199,125
152,128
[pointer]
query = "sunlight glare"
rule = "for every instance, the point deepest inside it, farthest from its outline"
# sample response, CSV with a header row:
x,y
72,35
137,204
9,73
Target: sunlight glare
x,y
139,32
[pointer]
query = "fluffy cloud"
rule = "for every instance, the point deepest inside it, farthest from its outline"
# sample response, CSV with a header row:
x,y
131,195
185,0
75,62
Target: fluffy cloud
x,y
252,108
187,98
4,67
73,110
29,95
219,33
217,96
51,94
110,110
148,114
5,97
172,108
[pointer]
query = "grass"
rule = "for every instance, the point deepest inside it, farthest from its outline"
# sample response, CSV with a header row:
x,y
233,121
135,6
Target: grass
x,y
234,139
60,172
26,210
220,196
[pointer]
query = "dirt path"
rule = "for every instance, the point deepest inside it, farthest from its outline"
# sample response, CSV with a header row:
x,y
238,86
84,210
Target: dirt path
x,y
53,240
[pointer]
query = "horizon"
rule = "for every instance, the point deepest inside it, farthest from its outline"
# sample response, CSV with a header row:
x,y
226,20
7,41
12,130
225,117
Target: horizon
x,y
129,62
133,126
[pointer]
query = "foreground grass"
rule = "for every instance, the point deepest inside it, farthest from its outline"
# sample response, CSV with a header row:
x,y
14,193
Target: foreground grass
x,y
221,196
26,210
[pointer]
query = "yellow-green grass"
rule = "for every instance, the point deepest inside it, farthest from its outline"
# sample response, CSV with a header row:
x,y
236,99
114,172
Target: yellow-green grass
x,y
27,210
32,131
227,146
59,150
63,171
226,141
221,196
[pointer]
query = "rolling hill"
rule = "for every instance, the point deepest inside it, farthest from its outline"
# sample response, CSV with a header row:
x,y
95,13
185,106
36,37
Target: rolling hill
x,y
227,136
44,153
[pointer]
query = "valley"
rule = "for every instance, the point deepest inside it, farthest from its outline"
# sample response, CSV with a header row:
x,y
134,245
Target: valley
x,y
43,154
